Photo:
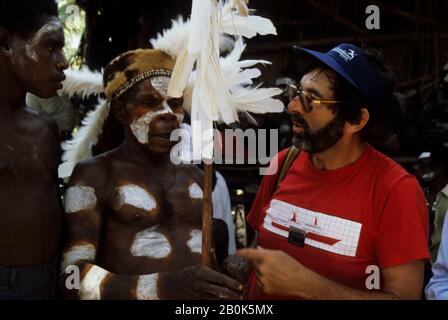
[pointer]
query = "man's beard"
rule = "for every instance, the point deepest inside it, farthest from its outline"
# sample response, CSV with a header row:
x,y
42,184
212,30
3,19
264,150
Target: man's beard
x,y
320,140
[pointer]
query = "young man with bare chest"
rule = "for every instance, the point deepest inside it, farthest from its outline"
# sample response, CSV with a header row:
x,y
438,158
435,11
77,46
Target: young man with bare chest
x,y
133,217
31,60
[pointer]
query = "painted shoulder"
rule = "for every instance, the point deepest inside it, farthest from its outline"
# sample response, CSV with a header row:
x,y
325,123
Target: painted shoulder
x,y
93,172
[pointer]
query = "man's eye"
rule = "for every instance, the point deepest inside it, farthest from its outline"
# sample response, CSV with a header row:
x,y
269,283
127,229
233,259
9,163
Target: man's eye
x,y
151,102
51,49
175,102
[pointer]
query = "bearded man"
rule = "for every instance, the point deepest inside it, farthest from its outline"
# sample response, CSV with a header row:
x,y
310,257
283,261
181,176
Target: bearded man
x,y
345,222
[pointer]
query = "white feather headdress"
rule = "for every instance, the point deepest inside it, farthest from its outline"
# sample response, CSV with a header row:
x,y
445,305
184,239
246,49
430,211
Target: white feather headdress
x,y
223,84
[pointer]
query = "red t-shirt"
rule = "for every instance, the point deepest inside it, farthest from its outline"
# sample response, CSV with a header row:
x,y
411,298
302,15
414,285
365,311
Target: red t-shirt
x,y
371,212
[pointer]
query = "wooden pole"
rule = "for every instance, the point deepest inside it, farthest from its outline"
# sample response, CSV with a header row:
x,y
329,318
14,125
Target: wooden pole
x,y
207,210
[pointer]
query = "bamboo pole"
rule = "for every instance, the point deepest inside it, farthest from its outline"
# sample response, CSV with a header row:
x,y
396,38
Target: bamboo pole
x,y
207,210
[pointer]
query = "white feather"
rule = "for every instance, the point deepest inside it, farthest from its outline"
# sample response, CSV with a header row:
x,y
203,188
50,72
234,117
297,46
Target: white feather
x,y
173,40
243,78
79,148
181,73
241,6
248,27
83,82
200,25
258,100
250,63
226,43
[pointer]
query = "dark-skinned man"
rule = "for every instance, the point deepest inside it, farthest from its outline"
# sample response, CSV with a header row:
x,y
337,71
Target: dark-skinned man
x,y
31,60
133,217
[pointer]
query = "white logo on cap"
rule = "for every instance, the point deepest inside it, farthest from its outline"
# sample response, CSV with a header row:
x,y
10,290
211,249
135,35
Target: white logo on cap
x,y
347,55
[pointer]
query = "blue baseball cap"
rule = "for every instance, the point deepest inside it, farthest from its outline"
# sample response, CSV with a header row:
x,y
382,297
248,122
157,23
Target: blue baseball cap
x,y
350,63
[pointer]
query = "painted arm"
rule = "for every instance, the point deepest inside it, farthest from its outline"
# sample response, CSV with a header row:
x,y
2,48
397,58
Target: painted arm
x,y
84,218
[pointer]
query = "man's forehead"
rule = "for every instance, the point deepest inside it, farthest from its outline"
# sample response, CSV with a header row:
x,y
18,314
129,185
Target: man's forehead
x,y
50,27
319,77
152,85
160,83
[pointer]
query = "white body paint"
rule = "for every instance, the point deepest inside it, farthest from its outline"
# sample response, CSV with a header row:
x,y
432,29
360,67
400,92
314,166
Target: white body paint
x,y
90,288
79,198
140,126
195,191
78,253
195,242
151,243
147,287
32,45
135,196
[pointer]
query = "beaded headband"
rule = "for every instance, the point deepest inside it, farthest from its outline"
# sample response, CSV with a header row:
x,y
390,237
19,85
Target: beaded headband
x,y
142,76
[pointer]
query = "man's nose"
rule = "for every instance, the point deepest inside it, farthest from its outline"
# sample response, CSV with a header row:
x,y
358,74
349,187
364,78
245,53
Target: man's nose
x,y
63,63
167,117
295,106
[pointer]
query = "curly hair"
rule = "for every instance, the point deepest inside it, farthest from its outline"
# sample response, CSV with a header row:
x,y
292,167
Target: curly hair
x,y
25,16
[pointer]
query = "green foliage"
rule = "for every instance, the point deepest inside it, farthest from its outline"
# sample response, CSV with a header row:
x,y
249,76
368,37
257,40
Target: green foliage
x,y
73,19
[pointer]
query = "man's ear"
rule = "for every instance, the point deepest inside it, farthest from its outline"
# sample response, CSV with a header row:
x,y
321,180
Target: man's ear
x,y
356,127
5,41
119,110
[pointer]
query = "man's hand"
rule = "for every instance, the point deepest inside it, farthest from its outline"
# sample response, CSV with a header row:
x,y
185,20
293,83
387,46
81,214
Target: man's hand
x,y
198,282
237,268
280,274
277,273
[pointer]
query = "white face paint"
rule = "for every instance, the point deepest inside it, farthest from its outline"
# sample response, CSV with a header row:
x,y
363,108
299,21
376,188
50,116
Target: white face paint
x,y
79,198
151,243
161,83
78,253
195,242
135,196
90,286
195,191
31,46
140,127
147,287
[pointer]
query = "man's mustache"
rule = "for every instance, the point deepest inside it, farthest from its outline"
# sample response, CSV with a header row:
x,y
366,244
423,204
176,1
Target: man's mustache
x,y
295,117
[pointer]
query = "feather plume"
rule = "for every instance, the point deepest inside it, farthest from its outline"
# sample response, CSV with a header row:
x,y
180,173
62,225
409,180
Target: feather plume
x,y
247,26
258,100
79,148
241,6
181,73
83,82
173,40
200,25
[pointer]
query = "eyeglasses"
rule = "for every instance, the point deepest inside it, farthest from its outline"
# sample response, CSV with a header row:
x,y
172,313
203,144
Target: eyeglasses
x,y
306,100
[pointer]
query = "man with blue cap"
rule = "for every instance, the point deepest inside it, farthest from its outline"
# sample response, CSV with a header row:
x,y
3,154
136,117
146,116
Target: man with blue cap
x,y
340,220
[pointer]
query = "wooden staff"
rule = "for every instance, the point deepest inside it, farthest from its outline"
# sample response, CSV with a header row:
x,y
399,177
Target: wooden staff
x,y
207,216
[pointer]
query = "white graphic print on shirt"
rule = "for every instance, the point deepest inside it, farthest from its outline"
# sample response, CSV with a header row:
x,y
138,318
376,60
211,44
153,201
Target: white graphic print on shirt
x,y
323,231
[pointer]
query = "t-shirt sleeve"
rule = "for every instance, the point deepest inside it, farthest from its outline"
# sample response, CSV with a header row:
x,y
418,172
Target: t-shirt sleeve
x,y
264,195
404,226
